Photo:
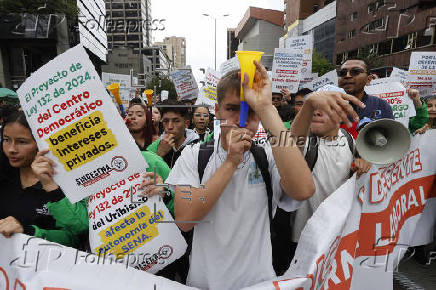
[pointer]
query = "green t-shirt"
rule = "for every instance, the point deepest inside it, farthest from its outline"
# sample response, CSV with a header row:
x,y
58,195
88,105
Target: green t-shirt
x,y
162,169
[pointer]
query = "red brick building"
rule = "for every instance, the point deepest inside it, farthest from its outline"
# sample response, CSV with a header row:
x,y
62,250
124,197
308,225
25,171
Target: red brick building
x,y
389,29
301,9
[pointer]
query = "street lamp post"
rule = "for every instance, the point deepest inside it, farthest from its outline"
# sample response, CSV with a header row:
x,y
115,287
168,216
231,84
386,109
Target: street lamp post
x,y
214,18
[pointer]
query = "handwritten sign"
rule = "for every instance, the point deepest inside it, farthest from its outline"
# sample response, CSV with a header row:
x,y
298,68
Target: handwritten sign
x,y
286,69
186,86
305,45
70,112
422,72
229,65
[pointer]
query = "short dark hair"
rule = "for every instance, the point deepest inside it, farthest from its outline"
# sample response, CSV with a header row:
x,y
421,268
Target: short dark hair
x,y
230,81
201,106
175,107
135,101
364,60
303,92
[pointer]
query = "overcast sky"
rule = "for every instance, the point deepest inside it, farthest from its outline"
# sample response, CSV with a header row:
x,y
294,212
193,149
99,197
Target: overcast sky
x,y
184,18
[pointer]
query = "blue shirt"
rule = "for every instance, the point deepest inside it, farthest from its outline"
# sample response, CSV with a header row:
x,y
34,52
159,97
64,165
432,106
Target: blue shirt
x,y
376,108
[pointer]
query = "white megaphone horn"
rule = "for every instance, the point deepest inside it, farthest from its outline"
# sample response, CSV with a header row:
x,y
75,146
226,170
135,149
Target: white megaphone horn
x,y
382,141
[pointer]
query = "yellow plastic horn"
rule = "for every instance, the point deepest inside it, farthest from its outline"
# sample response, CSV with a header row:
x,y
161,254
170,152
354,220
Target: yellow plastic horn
x,y
149,94
115,90
246,62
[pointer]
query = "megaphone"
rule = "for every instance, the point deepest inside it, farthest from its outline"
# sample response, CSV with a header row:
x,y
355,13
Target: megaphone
x,y
383,141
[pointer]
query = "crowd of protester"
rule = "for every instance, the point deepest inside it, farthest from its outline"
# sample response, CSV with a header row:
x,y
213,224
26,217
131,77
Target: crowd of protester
x,y
253,190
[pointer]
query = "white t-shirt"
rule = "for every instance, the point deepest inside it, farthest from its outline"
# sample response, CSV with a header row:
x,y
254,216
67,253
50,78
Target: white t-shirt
x,y
331,170
233,250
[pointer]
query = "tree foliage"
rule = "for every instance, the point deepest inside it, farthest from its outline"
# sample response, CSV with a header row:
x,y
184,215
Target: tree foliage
x,y
320,64
163,83
371,58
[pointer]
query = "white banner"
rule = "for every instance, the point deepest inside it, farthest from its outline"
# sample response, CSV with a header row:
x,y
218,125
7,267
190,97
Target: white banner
x,y
32,263
287,69
127,92
395,94
71,113
422,72
358,235
186,86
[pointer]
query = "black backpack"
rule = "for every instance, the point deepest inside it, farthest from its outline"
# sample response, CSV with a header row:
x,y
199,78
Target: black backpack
x,y
312,149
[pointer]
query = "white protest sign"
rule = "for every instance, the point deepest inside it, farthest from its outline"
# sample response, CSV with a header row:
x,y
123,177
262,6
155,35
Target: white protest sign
x,y
330,78
211,82
71,113
127,92
380,81
185,84
203,101
33,263
422,72
399,75
121,222
305,45
286,69
308,79
164,95
396,96
229,65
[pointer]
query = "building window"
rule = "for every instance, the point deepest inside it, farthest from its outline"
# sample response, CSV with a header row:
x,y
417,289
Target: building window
x,y
374,25
372,8
315,8
352,33
131,5
117,6
131,14
353,16
385,47
411,40
400,43
117,14
353,54
327,2
424,37
118,38
132,37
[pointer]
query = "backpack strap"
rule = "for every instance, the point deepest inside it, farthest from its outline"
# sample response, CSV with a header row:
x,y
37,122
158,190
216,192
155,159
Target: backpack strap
x,y
312,151
262,162
350,139
206,150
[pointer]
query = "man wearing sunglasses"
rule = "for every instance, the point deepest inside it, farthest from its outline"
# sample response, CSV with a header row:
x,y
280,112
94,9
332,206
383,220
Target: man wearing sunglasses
x,y
353,77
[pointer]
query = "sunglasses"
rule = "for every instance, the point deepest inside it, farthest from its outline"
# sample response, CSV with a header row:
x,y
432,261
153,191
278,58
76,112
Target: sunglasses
x,y
355,71
198,115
